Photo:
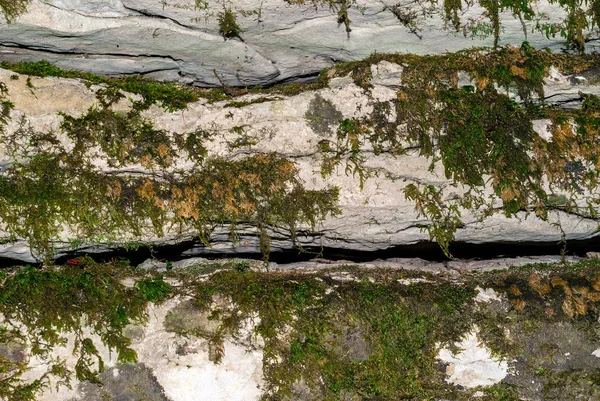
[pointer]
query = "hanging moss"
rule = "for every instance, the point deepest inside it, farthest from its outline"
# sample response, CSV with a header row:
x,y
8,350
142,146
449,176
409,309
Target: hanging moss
x,y
480,132
11,9
55,188
40,307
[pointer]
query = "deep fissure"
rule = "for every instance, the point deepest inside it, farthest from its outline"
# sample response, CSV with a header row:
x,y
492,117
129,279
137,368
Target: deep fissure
x,y
425,250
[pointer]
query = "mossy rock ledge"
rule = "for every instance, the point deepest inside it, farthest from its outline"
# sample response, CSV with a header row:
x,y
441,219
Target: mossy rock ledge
x,y
479,146
228,331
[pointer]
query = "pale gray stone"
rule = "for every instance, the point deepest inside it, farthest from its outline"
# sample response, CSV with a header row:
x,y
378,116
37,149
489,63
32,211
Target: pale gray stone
x,y
279,42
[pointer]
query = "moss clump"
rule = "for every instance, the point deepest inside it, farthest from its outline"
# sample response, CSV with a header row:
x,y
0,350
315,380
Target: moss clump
x,y
444,215
154,289
124,138
551,318
39,307
480,134
228,26
399,324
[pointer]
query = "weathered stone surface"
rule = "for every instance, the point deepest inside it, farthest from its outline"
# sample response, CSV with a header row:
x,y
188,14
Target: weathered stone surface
x,y
124,382
187,318
474,365
171,367
171,40
504,346
539,377
152,264
376,217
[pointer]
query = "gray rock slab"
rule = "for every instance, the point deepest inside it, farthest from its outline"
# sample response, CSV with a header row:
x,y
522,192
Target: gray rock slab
x,y
177,41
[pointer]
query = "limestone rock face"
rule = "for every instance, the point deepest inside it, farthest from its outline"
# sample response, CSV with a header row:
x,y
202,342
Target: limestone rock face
x,y
374,217
172,367
237,335
174,40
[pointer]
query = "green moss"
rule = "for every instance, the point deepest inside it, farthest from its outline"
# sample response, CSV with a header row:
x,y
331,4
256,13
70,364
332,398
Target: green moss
x,y
124,138
347,148
258,100
399,324
372,338
444,215
5,106
58,187
501,392
509,65
262,191
11,9
168,95
228,26
154,289
243,140
403,327
48,304
193,144
479,135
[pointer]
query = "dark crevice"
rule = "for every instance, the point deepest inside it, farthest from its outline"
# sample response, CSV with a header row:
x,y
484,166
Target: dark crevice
x,y
76,53
425,250
148,14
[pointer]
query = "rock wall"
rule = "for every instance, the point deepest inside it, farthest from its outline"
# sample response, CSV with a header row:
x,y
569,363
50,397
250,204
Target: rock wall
x,y
279,41
374,212
224,331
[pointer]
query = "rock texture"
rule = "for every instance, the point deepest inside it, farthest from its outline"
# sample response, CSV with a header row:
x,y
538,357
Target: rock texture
x,y
244,335
376,217
171,367
474,365
279,41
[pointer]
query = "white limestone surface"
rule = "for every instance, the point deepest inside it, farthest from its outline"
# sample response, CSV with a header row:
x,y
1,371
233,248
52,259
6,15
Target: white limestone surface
x,y
474,365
